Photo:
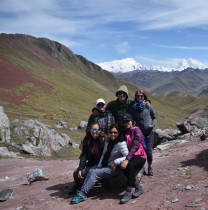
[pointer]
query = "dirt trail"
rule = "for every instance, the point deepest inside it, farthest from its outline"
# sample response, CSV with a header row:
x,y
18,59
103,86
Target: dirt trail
x,y
182,165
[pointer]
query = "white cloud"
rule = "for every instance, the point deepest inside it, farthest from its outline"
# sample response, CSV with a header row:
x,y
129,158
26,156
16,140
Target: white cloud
x,y
122,48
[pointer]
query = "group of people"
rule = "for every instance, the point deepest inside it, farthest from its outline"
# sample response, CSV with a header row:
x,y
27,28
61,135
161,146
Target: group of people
x,y
119,138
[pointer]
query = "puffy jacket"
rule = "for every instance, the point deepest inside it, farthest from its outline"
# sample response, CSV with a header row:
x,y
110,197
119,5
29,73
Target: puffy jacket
x,y
106,116
134,140
118,154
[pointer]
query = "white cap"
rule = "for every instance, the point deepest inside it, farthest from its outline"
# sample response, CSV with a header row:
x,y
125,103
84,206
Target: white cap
x,y
100,100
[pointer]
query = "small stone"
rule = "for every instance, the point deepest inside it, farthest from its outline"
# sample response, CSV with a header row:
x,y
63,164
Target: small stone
x,y
177,186
6,194
188,187
174,200
198,199
133,202
190,205
19,207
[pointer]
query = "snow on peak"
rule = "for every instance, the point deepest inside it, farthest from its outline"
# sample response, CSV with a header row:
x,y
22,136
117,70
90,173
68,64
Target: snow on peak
x,y
124,65
129,64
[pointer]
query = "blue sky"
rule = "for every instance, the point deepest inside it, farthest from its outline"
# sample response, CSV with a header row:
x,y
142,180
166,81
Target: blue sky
x,y
159,32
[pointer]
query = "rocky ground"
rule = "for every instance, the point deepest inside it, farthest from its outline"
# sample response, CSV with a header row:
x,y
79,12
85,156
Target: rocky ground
x,y
180,182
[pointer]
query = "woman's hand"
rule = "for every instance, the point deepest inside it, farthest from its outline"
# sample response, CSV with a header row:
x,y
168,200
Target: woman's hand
x,y
113,166
124,164
80,175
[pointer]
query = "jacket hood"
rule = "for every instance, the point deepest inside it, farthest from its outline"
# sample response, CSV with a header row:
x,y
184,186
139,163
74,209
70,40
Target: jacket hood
x,y
124,89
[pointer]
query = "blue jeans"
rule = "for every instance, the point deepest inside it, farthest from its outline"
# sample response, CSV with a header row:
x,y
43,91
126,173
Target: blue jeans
x,y
78,182
95,174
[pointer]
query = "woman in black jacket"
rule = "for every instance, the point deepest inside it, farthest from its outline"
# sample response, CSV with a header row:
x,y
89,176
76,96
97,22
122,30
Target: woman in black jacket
x,y
93,145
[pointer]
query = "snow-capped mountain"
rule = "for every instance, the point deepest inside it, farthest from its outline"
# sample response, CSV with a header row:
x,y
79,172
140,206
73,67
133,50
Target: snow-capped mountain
x,y
129,64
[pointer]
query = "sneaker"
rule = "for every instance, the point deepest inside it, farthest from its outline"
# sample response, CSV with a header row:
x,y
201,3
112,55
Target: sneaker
x,y
150,171
138,191
126,197
78,198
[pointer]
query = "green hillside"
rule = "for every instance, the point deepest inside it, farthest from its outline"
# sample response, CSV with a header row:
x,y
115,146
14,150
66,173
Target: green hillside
x,y
42,79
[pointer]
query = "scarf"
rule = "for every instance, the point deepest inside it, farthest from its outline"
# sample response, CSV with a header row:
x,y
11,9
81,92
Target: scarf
x,y
140,105
111,144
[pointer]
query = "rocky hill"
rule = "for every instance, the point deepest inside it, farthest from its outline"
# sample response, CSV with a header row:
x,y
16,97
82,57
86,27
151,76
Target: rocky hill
x,y
44,80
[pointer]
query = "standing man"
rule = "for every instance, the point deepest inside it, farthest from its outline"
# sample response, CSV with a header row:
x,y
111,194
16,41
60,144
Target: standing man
x,y
120,106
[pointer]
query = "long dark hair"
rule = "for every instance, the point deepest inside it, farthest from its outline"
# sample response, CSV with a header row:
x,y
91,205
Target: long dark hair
x,y
114,126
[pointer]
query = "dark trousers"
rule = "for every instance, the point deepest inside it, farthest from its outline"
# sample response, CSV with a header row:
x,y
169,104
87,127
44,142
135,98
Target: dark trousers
x,y
149,146
133,167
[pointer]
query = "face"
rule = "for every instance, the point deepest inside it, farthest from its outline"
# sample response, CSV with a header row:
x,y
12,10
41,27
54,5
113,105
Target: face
x,y
95,131
122,96
127,124
101,106
139,97
113,133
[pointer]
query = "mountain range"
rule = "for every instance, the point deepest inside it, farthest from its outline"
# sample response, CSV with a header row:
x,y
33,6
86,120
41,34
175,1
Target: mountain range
x,y
129,64
42,79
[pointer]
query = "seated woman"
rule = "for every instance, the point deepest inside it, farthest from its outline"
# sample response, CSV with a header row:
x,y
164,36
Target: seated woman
x,y
114,153
90,156
135,159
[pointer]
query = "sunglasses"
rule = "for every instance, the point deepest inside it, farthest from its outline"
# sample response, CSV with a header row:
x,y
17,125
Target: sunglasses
x,y
100,104
121,92
94,130
140,96
113,132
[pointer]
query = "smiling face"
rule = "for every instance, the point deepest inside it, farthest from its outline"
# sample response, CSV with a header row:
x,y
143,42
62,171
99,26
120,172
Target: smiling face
x,y
122,96
113,133
139,97
127,124
95,130
101,106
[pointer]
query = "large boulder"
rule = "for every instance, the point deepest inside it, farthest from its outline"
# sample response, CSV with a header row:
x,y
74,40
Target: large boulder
x,y
165,135
4,127
39,139
192,124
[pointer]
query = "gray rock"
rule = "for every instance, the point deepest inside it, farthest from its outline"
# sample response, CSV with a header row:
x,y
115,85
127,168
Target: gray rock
x,y
61,124
192,124
37,175
174,200
82,124
190,205
165,135
4,127
4,152
6,194
177,186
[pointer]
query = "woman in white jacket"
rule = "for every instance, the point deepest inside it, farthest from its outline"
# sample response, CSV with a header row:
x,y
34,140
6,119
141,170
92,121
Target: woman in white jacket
x,y
114,153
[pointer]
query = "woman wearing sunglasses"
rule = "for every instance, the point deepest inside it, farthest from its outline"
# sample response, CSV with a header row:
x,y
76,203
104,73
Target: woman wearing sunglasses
x,y
145,118
93,145
135,159
114,153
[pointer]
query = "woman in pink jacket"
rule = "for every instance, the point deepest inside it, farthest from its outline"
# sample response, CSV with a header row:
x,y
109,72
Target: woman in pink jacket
x,y
135,160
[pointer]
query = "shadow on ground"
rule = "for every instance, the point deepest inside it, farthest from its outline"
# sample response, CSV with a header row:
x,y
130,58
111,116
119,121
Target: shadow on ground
x,y
200,160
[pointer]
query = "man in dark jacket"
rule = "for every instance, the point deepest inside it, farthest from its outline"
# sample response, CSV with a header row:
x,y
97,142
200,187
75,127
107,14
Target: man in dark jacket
x,y
103,117
120,106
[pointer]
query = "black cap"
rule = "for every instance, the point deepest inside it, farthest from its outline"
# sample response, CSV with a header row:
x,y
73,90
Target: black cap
x,y
127,117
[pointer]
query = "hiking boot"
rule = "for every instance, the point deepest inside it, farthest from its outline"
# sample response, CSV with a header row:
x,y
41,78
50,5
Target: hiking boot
x,y
73,190
126,197
138,191
150,171
78,198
